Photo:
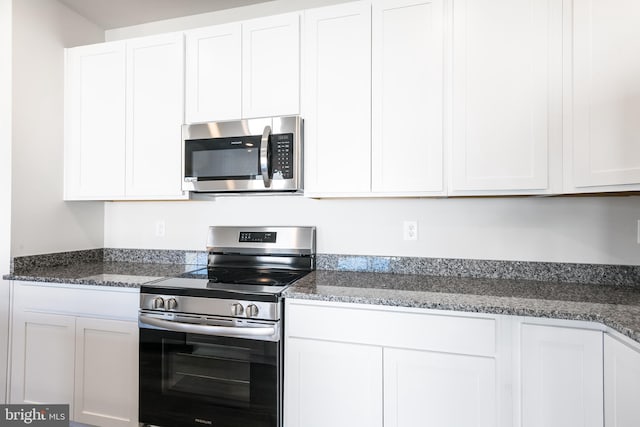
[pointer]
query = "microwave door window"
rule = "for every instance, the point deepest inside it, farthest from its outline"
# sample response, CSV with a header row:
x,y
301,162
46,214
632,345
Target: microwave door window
x,y
224,164
224,158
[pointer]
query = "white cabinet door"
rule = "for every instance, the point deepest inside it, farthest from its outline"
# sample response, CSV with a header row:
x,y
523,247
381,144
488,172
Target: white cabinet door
x,y
271,66
155,113
561,377
106,381
407,97
214,73
621,384
337,99
42,358
95,122
63,352
438,389
332,384
506,96
602,102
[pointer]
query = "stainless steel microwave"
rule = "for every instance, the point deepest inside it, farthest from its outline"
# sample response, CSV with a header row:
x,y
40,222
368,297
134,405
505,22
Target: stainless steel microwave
x,y
259,155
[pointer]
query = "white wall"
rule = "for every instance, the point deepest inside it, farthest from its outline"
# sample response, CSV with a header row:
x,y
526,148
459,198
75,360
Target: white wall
x,y
555,229
5,184
42,222
5,134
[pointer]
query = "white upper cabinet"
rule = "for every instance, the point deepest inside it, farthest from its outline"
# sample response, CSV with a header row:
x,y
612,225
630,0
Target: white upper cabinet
x,y
407,96
214,73
337,99
373,99
602,129
95,78
124,111
243,69
155,99
505,129
399,98
271,66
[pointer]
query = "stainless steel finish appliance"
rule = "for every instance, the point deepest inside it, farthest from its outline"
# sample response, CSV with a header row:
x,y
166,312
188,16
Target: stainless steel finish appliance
x,y
260,155
211,344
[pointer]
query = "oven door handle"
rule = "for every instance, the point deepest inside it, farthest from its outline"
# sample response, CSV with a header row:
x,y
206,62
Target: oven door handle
x,y
191,328
264,156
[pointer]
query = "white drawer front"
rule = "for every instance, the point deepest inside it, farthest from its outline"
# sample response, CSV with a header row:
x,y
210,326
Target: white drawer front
x,y
80,300
391,328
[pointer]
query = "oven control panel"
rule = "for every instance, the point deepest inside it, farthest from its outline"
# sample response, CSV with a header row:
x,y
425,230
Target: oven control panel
x,y
258,237
258,310
251,310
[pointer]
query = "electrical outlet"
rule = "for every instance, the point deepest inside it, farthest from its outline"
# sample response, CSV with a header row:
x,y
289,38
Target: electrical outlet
x,y
410,230
160,228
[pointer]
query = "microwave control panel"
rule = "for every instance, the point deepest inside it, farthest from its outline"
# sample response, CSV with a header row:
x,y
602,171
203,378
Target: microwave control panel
x,y
282,156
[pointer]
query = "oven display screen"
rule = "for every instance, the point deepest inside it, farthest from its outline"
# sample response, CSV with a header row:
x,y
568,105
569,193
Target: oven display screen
x,y
258,237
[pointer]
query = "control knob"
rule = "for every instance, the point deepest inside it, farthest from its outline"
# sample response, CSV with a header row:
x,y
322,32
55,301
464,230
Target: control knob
x,y
252,310
171,304
157,303
237,309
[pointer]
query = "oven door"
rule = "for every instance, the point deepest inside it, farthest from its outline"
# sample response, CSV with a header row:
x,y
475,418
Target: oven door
x,y
189,379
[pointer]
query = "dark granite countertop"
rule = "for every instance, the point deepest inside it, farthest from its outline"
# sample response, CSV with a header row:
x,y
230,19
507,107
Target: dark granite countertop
x,y
617,307
122,274
615,303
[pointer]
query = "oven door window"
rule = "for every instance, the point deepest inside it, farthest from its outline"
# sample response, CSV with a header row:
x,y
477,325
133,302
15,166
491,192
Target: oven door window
x,y
223,158
229,381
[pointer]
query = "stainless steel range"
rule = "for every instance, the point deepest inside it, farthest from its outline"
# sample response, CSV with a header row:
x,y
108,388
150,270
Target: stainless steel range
x,y
210,342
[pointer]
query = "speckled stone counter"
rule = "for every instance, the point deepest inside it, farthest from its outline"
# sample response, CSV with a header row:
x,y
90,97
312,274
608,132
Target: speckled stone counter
x,y
605,293
106,267
615,306
124,274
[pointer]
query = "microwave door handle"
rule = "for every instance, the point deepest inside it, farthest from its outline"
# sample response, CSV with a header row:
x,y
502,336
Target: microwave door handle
x,y
264,156
235,331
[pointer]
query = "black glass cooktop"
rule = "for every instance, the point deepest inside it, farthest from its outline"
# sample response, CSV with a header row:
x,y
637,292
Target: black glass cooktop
x,y
246,276
229,283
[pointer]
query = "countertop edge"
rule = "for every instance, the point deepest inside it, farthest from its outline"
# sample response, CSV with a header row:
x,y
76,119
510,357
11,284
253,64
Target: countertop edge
x,y
473,308
459,306
55,280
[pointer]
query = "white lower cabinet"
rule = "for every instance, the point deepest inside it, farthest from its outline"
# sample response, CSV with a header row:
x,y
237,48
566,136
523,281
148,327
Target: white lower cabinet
x,y
106,380
561,371
367,365
355,365
76,346
621,382
42,360
332,384
437,389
